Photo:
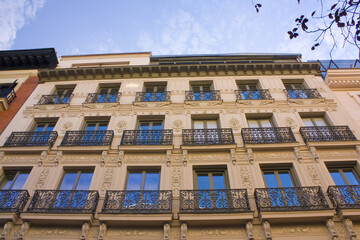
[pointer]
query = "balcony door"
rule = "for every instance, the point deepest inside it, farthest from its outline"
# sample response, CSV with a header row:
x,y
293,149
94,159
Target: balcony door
x,y
14,179
249,91
281,189
211,186
95,132
107,95
150,132
63,95
296,90
154,93
42,132
264,128
344,176
142,189
73,190
207,131
320,127
202,92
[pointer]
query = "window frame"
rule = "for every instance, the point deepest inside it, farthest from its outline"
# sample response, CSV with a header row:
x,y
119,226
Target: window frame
x,y
4,178
347,166
78,175
211,171
143,172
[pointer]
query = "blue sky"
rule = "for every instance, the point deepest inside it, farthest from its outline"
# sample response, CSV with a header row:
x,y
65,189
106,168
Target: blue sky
x,y
161,27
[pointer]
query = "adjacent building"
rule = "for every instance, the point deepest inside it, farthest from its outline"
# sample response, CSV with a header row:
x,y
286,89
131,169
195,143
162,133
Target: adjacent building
x,y
135,146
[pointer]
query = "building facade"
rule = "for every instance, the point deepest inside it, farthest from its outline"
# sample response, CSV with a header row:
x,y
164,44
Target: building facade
x,y
134,146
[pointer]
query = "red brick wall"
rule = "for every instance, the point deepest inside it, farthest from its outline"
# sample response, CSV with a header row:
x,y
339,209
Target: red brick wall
x,y
22,95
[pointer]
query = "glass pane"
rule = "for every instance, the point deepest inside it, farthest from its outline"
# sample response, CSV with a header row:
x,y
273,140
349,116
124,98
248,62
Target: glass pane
x,y
10,175
218,181
242,87
152,181
160,89
68,181
134,181
199,125
308,122
211,124
196,88
39,127
253,124
90,127
285,179
102,126
50,127
156,126
270,180
338,180
20,181
350,176
203,181
149,89
319,122
265,123
144,126
104,90
84,181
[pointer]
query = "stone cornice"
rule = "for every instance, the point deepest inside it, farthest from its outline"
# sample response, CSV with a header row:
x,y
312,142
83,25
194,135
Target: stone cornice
x,y
343,78
166,71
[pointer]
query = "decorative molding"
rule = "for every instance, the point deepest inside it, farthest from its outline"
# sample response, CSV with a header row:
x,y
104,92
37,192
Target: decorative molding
x,y
177,125
234,124
184,231
42,178
331,228
314,176
159,158
314,154
121,158
102,231
42,157
208,157
168,158
121,126
48,107
185,158
104,155
249,152
298,154
350,229
233,156
306,101
107,180
250,231
84,231
256,102
66,127
166,231
176,180
23,230
246,178
58,157
290,122
6,229
267,230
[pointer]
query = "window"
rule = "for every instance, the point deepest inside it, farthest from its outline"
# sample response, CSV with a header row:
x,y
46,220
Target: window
x,y
42,132
107,94
155,92
278,178
202,92
44,126
249,91
344,176
14,179
151,131
95,133
203,133
96,125
260,123
314,121
317,128
296,90
211,188
76,180
62,94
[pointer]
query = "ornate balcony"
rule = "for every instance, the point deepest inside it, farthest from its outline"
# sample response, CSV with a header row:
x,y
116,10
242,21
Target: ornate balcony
x,y
213,95
290,199
63,201
88,138
147,137
103,98
153,96
327,134
55,99
207,136
260,94
31,139
214,201
346,196
137,202
302,93
13,200
7,93
267,135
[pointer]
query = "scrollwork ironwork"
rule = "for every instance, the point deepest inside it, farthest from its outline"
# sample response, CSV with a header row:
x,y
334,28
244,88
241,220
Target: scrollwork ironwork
x,y
259,94
202,95
267,135
13,200
327,134
103,98
207,136
88,138
153,96
346,196
63,201
147,137
214,201
302,93
145,201
55,99
29,139
290,199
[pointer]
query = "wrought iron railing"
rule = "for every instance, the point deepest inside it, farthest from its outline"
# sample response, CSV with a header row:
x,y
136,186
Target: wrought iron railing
x,y
63,201
147,137
88,138
346,196
214,201
290,199
207,136
202,96
7,93
153,96
30,139
137,202
103,98
267,135
55,99
253,94
327,134
13,200
302,93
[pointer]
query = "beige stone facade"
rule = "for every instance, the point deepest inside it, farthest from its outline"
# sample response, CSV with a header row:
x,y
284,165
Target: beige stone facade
x,y
219,150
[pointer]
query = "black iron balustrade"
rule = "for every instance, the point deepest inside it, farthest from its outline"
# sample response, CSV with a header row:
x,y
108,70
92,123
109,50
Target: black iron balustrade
x,y
207,136
88,138
13,200
290,199
302,93
267,135
103,98
214,201
7,93
55,99
147,137
153,96
30,139
137,202
260,94
202,95
63,201
327,134
345,196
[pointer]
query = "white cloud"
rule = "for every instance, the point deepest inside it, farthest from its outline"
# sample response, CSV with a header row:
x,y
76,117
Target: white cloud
x,y
14,14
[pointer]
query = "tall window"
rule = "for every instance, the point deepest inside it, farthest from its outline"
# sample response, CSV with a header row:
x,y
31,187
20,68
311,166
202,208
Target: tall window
x,y
314,121
249,91
296,90
76,180
202,92
154,93
143,180
260,123
96,125
344,176
107,94
14,179
278,178
63,94
151,131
